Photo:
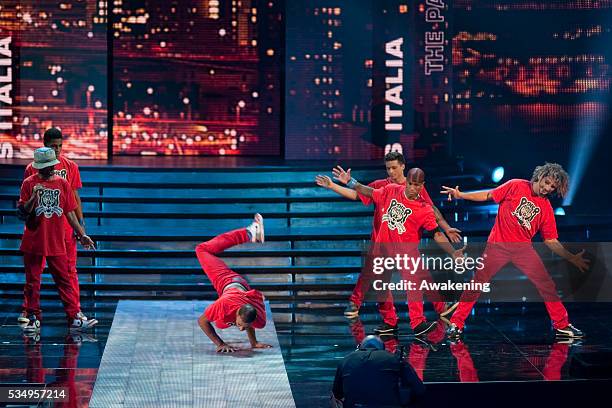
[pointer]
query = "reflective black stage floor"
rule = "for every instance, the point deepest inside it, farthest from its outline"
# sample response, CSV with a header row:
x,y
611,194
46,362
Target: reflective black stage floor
x,y
503,344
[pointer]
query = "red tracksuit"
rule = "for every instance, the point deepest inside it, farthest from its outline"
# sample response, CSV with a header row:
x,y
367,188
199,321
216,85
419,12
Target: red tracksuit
x,y
69,171
521,215
364,281
43,238
223,311
400,222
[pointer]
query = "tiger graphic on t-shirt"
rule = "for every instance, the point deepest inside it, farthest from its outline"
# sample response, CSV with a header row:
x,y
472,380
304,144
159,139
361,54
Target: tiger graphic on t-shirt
x,y
396,215
49,203
526,212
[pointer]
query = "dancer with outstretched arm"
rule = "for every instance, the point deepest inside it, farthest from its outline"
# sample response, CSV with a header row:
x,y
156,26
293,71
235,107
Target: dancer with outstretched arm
x,y
524,210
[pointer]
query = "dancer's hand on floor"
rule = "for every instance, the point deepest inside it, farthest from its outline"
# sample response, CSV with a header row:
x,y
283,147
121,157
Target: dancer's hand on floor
x,y
226,348
259,345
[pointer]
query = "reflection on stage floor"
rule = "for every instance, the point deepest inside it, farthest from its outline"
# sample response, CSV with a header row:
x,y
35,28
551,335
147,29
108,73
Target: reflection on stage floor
x,y
502,343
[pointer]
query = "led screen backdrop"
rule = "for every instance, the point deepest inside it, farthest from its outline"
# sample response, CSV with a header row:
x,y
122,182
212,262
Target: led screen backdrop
x,y
531,80
309,79
53,60
518,78
197,77
341,56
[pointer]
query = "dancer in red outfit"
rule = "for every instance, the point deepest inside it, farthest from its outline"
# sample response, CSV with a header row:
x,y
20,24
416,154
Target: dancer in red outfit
x,y
238,305
69,171
395,165
45,201
524,210
402,219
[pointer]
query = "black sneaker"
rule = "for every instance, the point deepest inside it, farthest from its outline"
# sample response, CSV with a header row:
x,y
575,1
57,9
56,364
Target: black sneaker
x,y
454,333
424,328
351,310
569,331
385,328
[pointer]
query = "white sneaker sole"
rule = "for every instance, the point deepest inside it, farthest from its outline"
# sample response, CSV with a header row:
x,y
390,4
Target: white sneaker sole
x,y
89,324
260,222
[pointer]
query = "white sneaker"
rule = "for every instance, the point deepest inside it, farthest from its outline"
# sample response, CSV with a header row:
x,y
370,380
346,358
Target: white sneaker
x,y
33,324
81,321
256,229
23,318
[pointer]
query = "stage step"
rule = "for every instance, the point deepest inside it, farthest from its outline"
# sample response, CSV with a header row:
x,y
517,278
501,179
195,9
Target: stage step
x,y
146,223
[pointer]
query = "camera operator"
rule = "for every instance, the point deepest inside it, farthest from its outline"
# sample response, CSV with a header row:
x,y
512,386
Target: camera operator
x,y
373,377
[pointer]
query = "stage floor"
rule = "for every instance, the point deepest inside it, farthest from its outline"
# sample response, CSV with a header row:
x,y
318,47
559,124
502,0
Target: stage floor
x,y
503,343
155,356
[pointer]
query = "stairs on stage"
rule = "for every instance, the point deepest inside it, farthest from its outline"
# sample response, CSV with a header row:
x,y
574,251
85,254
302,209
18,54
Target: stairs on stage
x,y
147,221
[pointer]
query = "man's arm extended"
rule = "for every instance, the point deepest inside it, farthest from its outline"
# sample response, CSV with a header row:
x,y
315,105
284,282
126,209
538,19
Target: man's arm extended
x,y
454,234
364,190
345,178
578,260
474,196
326,182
